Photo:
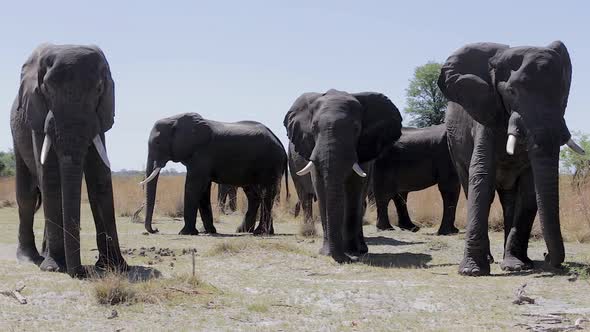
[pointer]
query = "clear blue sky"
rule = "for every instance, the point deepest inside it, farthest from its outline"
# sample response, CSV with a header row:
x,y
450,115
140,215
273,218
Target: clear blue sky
x,y
243,60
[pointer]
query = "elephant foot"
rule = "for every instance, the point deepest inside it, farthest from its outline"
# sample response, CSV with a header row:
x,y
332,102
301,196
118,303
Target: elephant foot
x,y
263,231
343,258
50,264
79,273
449,230
384,227
475,267
409,226
325,249
511,263
188,231
29,255
210,230
243,228
116,264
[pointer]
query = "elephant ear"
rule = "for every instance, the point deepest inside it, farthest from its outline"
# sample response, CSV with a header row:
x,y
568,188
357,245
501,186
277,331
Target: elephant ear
x,y
189,132
30,98
298,122
381,125
106,104
566,65
467,79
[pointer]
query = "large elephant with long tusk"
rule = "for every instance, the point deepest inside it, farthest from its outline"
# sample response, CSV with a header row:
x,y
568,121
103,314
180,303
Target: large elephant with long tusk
x,y
340,134
505,125
65,105
244,154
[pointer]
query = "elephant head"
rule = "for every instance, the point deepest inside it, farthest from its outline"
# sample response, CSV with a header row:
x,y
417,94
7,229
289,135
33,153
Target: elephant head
x,y
177,138
525,91
336,132
67,95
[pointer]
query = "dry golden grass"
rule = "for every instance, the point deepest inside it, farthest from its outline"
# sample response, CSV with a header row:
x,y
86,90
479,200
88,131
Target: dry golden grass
x,y
425,207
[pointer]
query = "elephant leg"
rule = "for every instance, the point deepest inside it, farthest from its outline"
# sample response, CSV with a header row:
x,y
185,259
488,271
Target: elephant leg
x,y
297,209
481,194
27,197
382,198
253,195
400,200
508,202
100,195
53,242
233,199
265,226
308,226
206,212
194,189
516,247
354,242
318,184
450,198
221,195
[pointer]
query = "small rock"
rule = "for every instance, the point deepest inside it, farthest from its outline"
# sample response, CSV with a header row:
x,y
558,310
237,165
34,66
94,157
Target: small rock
x,y
113,314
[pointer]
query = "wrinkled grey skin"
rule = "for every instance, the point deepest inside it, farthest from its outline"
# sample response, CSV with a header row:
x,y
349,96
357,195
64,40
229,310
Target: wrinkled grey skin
x,y
75,83
418,160
229,193
244,154
303,185
334,131
495,90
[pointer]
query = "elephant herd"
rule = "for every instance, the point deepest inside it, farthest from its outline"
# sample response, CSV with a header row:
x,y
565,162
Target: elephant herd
x,y
503,130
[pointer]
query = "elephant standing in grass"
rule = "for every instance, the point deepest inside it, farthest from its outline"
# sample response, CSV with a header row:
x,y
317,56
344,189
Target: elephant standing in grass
x,y
418,160
227,193
245,154
505,125
65,104
339,134
304,188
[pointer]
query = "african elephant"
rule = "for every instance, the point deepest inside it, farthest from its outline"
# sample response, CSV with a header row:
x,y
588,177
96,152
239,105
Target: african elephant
x,y
505,125
418,160
245,154
223,192
340,134
303,186
64,106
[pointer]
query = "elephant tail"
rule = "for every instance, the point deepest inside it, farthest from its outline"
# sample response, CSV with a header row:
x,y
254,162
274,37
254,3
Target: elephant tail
x,y
39,200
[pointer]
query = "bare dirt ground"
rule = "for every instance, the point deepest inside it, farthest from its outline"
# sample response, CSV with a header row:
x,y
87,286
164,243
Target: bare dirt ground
x,y
408,281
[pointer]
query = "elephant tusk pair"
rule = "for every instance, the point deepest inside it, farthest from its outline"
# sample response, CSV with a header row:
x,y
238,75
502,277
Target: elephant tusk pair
x,y
511,143
102,152
97,141
309,167
155,172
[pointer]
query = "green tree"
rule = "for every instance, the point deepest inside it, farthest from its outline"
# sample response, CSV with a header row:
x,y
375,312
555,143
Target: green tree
x,y
7,163
426,104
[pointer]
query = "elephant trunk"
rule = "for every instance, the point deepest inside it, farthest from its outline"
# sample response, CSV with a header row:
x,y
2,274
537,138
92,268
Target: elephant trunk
x,y
150,193
71,183
545,164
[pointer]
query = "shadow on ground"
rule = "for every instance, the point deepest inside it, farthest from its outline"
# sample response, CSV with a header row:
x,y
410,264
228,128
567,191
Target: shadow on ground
x,y
387,241
397,260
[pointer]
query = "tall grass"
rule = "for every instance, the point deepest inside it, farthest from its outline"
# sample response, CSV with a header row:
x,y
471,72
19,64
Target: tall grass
x,y
425,207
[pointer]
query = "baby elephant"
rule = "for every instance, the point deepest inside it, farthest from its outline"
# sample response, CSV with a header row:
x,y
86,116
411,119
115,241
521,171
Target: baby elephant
x,y
244,154
418,160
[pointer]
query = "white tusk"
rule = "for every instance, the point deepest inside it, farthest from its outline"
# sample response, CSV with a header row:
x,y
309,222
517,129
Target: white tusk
x,y
152,176
308,168
102,151
358,170
45,149
574,146
510,144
